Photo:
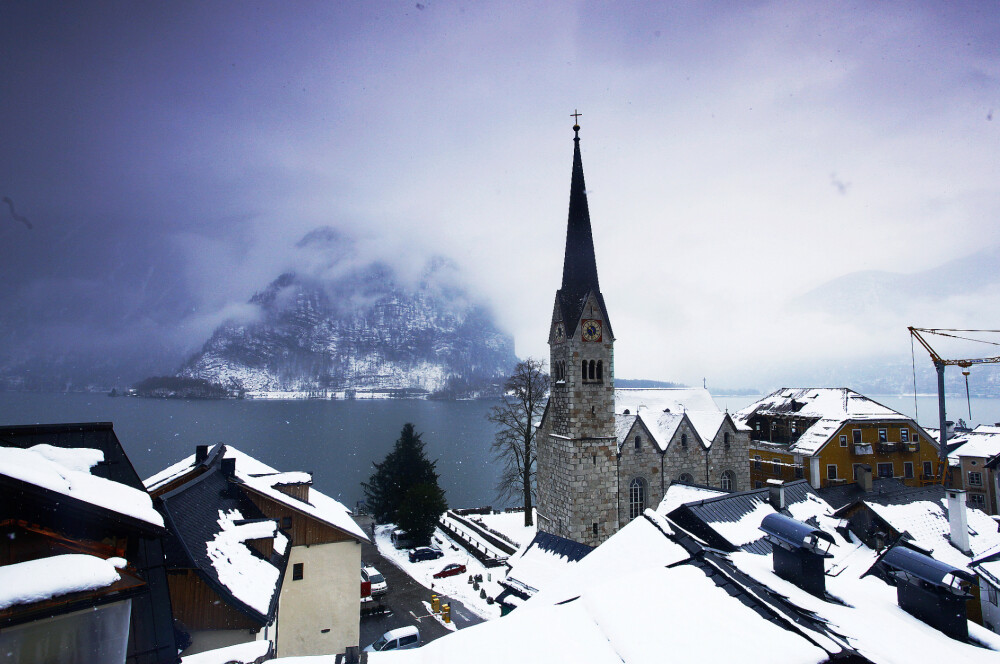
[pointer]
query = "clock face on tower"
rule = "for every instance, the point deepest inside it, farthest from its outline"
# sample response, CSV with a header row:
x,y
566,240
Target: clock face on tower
x,y
559,333
591,330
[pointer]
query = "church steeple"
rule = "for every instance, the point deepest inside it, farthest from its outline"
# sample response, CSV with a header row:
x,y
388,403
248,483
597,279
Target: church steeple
x,y
579,262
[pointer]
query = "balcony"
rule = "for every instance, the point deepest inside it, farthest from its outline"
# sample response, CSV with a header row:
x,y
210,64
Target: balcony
x,y
862,449
889,448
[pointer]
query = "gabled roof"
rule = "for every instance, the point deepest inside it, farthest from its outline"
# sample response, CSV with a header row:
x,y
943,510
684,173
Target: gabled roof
x,y
839,495
682,493
212,523
264,480
544,558
830,407
983,441
662,410
732,521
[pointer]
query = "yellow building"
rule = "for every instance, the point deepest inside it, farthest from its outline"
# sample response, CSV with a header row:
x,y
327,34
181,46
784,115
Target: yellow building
x,y
826,434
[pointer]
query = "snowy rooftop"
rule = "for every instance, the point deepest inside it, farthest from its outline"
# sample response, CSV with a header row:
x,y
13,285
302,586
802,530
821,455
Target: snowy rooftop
x,y
67,471
265,480
663,409
983,441
926,522
580,617
541,560
48,578
830,406
679,494
249,577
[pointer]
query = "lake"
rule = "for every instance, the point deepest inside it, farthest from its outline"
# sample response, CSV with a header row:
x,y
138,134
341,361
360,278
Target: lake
x,y
336,440
339,440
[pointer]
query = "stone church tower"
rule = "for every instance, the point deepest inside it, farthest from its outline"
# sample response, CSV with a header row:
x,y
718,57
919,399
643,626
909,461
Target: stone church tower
x,y
577,449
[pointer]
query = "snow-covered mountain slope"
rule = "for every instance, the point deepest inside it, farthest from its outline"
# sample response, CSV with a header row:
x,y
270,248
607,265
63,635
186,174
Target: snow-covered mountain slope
x,y
362,329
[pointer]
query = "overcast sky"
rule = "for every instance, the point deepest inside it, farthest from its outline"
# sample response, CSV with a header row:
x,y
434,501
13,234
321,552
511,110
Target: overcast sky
x,y
169,155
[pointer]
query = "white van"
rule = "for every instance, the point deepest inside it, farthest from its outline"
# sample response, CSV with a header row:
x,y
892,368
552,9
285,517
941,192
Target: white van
x,y
402,638
374,577
400,539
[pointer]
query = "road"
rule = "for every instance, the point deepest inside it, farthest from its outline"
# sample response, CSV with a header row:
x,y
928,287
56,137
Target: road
x,y
406,599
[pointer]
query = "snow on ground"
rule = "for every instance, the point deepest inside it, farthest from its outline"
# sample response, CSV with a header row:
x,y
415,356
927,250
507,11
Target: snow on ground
x,y
511,524
45,578
67,471
241,653
456,587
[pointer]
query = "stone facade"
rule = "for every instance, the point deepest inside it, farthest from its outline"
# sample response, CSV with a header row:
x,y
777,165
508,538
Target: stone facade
x,y
686,456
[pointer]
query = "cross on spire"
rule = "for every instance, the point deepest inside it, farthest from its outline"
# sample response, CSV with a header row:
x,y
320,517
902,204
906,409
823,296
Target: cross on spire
x,y
575,115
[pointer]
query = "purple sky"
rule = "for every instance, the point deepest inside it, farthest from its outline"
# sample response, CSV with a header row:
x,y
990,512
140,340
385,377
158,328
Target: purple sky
x,y
739,155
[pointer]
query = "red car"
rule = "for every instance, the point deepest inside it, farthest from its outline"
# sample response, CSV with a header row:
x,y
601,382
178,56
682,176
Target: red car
x,y
450,570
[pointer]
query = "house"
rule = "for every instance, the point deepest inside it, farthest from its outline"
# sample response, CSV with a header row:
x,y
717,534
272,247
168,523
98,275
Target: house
x,y
81,559
987,567
825,435
674,435
974,450
315,594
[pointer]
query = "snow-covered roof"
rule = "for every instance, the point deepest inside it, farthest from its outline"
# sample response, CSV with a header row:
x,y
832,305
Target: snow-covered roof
x,y
663,409
983,441
679,493
245,653
677,399
831,407
263,479
926,523
541,560
625,605
250,578
48,578
67,471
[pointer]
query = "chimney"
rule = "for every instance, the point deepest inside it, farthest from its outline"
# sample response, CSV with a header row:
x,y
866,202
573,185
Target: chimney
x,y
865,478
958,519
228,467
949,428
776,494
200,453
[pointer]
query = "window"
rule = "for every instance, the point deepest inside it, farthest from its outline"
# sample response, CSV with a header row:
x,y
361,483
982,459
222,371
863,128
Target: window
x,y
584,374
725,439
904,435
978,501
728,481
636,497
684,440
908,470
407,640
799,473
928,469
975,479
883,436
857,436
593,370
794,428
776,466
686,477
991,593
756,461
600,370
594,528
298,571
843,441
638,442
885,469
831,471
286,522
856,469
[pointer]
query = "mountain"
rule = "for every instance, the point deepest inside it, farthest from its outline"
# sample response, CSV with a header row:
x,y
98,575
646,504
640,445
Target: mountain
x,y
360,327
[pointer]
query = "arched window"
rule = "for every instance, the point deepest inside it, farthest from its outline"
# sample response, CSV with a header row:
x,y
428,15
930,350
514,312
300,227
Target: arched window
x,y
584,376
725,439
728,481
636,497
686,477
638,442
684,440
593,370
600,370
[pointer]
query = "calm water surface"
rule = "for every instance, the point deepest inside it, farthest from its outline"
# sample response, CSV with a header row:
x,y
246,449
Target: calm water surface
x,y
337,440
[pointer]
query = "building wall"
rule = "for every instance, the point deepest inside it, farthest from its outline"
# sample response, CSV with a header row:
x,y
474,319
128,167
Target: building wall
x,y
320,613
577,482
982,495
204,640
894,451
991,612
733,458
645,464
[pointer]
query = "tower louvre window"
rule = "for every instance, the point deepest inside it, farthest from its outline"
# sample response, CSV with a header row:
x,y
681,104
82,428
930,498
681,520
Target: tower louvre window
x,y
600,370
585,369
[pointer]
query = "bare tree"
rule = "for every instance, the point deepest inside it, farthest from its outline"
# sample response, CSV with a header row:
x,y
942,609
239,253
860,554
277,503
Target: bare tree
x,y
514,443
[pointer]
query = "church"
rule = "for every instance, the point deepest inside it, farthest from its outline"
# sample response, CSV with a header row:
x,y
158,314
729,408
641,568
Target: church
x,y
605,455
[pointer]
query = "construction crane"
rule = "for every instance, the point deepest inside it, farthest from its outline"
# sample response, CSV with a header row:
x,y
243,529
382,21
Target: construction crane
x,y
940,363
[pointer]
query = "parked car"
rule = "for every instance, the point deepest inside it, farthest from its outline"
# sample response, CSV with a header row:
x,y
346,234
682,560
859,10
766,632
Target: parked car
x,y
450,570
402,638
378,583
400,539
424,553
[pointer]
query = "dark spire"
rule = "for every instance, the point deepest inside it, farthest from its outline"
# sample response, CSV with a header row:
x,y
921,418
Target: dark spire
x,y
579,264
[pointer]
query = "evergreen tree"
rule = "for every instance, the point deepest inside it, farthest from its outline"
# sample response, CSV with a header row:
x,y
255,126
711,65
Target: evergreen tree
x,y
404,488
